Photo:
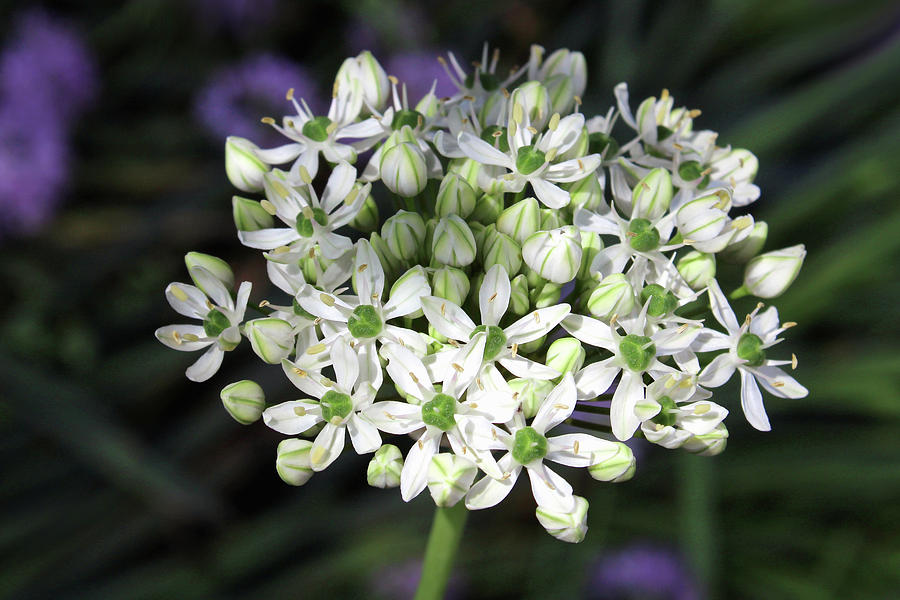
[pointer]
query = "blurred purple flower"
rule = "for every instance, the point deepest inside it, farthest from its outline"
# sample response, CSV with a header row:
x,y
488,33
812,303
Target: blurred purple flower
x,y
238,16
644,572
47,68
236,98
418,70
399,582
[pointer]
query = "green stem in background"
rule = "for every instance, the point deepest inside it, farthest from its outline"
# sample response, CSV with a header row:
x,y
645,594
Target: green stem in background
x,y
443,541
739,293
697,503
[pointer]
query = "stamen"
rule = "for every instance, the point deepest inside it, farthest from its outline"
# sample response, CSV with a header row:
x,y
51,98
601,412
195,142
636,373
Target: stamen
x,y
515,349
268,120
328,300
299,372
793,362
304,175
479,384
179,293
268,207
299,411
290,94
413,377
362,267
317,349
457,367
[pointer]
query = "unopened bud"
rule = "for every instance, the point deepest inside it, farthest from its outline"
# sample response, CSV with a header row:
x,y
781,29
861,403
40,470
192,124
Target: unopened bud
x,y
520,220
450,284
245,171
555,255
613,296
403,169
487,209
217,267
292,462
519,302
566,355
404,234
617,468
770,274
272,339
747,248
569,526
249,215
709,444
591,245
449,478
455,197
453,244
244,400
531,394
652,195
500,249
697,269
366,220
385,467
587,193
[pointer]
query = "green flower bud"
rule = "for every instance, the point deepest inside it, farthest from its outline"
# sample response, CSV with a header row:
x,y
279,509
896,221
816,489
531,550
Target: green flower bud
x,y
487,209
549,219
520,220
450,284
591,245
454,244
709,444
385,467
272,339
245,171
613,296
366,220
403,169
449,478
748,247
569,63
617,468
466,168
652,195
216,266
249,215
566,355
531,393
365,71
500,249
244,400
570,526
562,93
770,274
555,255
455,197
587,193
546,294
404,233
697,269
519,303
532,99
292,462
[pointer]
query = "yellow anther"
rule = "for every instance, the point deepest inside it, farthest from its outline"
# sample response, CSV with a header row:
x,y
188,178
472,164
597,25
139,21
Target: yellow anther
x,y
413,377
190,337
299,372
793,361
551,154
575,447
677,146
479,384
351,197
299,411
304,175
537,317
264,303
505,92
326,382
515,395
316,349
788,325
176,337
514,350
307,212
473,405
268,120
457,367
671,382
695,113
664,95
179,293
362,267
518,113
318,320
328,300
331,128
279,189
334,89
290,94
533,130
393,80
578,100
317,454
491,299
506,476
561,406
549,485
268,207
421,445
683,328
702,409
443,309
778,384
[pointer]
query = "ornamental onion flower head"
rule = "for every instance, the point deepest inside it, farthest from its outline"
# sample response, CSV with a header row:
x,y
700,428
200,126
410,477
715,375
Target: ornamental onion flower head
x,y
535,293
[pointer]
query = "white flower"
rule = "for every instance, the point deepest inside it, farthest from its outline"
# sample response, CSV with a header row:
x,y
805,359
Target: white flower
x,y
675,410
528,446
338,406
221,316
746,346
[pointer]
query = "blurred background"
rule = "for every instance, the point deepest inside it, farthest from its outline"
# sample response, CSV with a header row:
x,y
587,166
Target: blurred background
x,y
121,479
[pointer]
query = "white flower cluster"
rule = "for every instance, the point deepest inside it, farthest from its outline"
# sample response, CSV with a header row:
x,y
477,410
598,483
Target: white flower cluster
x,y
507,200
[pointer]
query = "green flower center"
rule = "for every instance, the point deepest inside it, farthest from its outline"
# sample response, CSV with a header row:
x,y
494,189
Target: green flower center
x,y
335,405
749,347
488,81
662,132
637,351
365,322
316,128
496,340
662,301
643,235
690,170
528,446
215,323
440,412
302,312
598,142
304,222
667,411
529,159
489,134
407,117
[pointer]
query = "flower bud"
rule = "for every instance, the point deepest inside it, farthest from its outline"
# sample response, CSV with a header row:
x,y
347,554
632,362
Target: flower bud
x,y
697,269
555,255
217,267
613,296
403,169
385,467
415,276
389,261
591,245
569,526
404,234
569,63
453,244
533,99
455,197
549,219
272,339
546,294
652,195
531,394
244,400
487,209
566,355
292,462
245,171
366,220
587,193
500,249
519,302
520,220
467,168
533,346
747,248
617,468
562,93
738,166
375,85
449,478
770,274
249,215
450,284
709,444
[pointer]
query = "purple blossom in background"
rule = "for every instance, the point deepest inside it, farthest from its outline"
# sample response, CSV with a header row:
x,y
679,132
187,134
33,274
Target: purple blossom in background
x,y
236,98
47,77
418,70
399,582
238,16
641,572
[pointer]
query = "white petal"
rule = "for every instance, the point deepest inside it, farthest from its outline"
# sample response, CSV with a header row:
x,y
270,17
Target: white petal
x,y
330,309
550,195
279,155
363,434
490,492
611,259
346,363
414,475
291,418
268,239
595,379
701,417
449,319
483,459
778,383
621,92
765,323
333,245
496,406
340,182
721,310
167,335
464,366
557,406
579,449
305,381
550,491
369,365
718,371
674,339
369,276
187,300
621,412
327,446
406,337
406,298
589,221
752,402
536,323
710,339
395,417
479,150
406,370
573,170
207,365
493,297
214,288
590,331
527,368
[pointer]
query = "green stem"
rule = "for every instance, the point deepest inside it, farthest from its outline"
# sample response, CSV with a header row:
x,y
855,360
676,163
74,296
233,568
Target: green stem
x,y
443,541
739,293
